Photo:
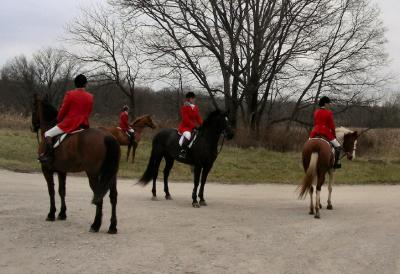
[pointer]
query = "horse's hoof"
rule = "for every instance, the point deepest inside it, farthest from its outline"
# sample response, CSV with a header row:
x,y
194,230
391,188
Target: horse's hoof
x,y
196,205
61,217
311,212
94,230
168,197
203,203
330,207
154,198
317,216
50,218
112,231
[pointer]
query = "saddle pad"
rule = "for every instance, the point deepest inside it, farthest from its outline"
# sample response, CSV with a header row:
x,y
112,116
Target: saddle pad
x,y
63,136
332,148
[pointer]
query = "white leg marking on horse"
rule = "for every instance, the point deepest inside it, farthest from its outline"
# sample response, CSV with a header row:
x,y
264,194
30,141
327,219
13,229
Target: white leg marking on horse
x,y
330,186
354,149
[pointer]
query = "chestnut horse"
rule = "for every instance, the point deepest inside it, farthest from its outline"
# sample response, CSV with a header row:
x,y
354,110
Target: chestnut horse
x,y
138,125
318,159
93,151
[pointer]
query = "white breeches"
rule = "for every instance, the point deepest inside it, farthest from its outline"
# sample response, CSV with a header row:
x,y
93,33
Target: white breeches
x,y
186,135
335,143
54,131
131,130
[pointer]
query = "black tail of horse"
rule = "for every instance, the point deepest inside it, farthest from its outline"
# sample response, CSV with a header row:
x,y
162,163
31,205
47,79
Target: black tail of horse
x,y
109,169
149,173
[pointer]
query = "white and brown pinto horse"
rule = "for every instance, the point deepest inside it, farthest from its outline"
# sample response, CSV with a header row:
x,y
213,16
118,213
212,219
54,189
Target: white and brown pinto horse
x,y
318,159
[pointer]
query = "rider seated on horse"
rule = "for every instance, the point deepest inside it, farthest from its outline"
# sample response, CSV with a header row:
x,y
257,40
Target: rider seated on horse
x,y
324,126
190,116
73,115
124,124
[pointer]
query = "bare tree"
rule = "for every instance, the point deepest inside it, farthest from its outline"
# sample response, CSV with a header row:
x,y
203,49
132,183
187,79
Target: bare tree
x,y
109,47
260,48
54,72
20,75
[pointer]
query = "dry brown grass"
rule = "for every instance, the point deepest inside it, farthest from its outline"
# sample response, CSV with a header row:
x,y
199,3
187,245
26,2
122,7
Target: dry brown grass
x,y
375,143
12,120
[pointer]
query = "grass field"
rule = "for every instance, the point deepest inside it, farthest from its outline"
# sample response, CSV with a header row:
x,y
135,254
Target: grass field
x,y
234,165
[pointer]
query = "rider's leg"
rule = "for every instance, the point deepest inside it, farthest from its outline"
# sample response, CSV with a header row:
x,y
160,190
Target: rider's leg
x,y
338,148
131,133
47,155
183,142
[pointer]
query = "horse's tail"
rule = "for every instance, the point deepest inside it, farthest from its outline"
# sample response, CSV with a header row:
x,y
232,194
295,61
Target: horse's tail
x,y
308,179
108,169
149,173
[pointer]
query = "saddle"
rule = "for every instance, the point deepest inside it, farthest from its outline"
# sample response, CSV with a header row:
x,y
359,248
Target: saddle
x,y
60,138
193,137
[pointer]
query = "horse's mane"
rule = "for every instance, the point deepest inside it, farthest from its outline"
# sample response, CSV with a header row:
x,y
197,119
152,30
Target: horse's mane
x,y
140,118
341,132
211,116
49,111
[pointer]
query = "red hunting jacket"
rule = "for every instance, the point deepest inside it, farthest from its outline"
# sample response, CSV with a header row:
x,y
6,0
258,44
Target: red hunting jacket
x,y
75,110
323,124
124,121
190,115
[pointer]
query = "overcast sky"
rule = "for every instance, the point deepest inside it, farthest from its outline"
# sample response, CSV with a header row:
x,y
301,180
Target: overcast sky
x,y
29,25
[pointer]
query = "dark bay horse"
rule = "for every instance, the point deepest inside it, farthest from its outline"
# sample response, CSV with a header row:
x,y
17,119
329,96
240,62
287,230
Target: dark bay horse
x,y
138,125
93,151
201,155
318,160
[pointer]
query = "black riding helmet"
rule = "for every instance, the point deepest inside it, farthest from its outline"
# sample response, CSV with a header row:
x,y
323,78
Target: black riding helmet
x,y
324,100
80,81
125,108
190,95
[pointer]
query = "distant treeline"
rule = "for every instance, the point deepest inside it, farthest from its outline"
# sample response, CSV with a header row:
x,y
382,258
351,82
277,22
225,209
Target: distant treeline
x,y
164,104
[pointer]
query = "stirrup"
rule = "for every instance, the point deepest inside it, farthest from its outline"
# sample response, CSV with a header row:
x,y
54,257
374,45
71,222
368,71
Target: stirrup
x,y
45,159
337,165
182,154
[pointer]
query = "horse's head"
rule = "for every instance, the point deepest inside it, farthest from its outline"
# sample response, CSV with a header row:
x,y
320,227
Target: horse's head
x,y
350,144
144,121
35,113
221,122
43,113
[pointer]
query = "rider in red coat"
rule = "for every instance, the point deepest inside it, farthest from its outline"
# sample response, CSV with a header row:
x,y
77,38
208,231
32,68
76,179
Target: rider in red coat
x,y
124,123
73,115
324,126
190,116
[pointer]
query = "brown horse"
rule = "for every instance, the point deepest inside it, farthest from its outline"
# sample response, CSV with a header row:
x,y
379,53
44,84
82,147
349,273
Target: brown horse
x,y
318,160
92,151
138,125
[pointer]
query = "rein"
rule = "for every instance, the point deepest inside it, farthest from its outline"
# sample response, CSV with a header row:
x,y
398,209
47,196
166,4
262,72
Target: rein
x,y
37,137
222,144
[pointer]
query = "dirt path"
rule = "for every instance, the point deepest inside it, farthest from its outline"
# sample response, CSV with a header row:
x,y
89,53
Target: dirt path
x,y
245,229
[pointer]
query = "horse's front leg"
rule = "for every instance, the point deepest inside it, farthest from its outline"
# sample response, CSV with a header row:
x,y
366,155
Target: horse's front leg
x,y
134,147
204,175
48,175
61,191
128,152
330,182
197,172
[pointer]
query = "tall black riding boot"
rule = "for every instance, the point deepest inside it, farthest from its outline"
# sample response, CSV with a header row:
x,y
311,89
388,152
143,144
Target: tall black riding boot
x,y
184,149
337,158
47,156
